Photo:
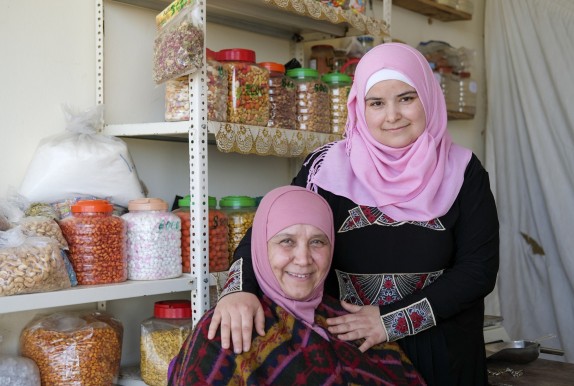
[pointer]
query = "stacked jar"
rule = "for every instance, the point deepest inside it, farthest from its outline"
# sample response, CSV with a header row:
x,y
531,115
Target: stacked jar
x,y
153,240
339,88
461,93
97,242
240,211
312,100
218,238
248,87
282,110
322,57
184,213
162,337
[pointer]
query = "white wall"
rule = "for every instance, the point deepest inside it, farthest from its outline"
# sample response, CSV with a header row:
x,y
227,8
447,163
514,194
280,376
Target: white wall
x,y
48,58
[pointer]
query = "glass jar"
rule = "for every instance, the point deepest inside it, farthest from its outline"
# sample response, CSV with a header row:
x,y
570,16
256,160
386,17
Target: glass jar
x,y
97,242
443,74
218,238
339,88
282,110
339,60
248,87
161,339
153,240
240,211
312,100
366,42
321,59
461,93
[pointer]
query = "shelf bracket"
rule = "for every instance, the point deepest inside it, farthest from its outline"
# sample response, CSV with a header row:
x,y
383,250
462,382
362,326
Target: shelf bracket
x,y
101,306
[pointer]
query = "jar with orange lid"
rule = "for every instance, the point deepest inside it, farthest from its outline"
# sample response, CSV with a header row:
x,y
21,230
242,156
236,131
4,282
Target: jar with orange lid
x,y
153,240
248,87
312,100
97,242
161,338
240,211
282,109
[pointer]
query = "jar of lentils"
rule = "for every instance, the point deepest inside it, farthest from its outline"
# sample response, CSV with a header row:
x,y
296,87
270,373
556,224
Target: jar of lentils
x,y
97,242
161,339
339,88
153,240
248,87
240,212
282,109
312,100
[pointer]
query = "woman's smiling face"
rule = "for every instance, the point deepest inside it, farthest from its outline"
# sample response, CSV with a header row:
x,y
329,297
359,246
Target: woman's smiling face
x,y
394,113
299,256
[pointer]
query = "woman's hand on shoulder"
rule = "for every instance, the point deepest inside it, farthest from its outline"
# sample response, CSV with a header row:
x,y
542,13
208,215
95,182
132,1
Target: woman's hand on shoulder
x,y
361,322
235,313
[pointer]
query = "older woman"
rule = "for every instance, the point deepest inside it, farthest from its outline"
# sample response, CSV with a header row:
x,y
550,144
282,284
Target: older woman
x,y
292,249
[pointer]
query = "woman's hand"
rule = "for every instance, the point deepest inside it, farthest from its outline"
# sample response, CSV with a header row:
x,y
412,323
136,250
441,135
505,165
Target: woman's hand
x,y
361,322
236,312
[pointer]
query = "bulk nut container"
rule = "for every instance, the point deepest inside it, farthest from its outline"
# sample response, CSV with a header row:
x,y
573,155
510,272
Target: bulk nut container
x,y
184,214
161,339
339,88
312,100
218,238
282,109
322,57
153,240
97,242
240,212
461,93
248,87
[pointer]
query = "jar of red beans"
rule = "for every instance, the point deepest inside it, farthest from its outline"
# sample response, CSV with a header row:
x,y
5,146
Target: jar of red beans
x,y
248,87
97,242
240,211
282,110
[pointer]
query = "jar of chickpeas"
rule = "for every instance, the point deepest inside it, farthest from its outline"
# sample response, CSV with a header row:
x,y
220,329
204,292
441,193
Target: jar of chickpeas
x,y
162,337
248,87
240,211
339,88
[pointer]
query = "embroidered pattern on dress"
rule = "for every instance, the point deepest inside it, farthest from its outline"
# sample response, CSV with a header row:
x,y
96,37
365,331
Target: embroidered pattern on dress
x,y
362,216
381,289
234,281
409,320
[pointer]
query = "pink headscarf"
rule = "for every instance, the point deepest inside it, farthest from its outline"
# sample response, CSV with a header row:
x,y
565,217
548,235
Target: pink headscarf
x,y
279,209
418,182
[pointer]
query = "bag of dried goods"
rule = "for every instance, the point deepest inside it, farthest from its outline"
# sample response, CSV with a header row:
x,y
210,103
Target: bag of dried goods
x,y
30,264
18,371
43,226
82,162
74,348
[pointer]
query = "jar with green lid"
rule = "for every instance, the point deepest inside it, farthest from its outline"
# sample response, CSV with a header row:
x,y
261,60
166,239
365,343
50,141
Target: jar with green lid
x,y
218,238
240,212
312,100
282,111
248,87
339,88
161,339
97,242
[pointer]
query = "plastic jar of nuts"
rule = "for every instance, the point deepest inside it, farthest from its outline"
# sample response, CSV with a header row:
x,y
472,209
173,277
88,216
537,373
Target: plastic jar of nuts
x,y
339,88
218,238
162,337
312,100
282,110
248,87
97,242
240,212
184,214
153,240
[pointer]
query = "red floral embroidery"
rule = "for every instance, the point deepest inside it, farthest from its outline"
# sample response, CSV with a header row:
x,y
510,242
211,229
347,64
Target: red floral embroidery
x,y
417,319
402,325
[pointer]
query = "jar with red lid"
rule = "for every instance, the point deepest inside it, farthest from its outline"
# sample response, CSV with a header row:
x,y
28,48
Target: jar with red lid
x,y
282,109
248,87
153,240
161,339
97,242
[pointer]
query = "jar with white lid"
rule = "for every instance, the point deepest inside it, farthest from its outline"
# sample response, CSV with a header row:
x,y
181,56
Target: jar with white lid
x,y
282,110
312,100
153,240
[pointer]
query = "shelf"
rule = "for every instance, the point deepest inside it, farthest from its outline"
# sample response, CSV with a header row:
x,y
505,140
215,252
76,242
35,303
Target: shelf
x,y
456,115
289,19
433,10
82,294
231,138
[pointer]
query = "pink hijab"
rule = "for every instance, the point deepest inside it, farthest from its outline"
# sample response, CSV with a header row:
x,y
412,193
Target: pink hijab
x,y
418,182
279,209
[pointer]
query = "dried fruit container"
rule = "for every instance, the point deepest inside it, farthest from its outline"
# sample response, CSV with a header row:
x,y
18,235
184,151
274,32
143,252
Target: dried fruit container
x,y
240,212
282,109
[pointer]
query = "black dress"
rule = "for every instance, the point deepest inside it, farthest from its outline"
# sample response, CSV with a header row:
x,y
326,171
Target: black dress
x,y
428,278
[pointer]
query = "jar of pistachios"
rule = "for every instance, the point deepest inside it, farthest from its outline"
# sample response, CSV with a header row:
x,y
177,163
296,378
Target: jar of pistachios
x,y
312,100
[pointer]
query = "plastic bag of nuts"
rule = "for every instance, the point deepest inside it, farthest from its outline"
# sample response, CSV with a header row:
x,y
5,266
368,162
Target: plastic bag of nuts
x,y
30,264
18,371
43,226
74,348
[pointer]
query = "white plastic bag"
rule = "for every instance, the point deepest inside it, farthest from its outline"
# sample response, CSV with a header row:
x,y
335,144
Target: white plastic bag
x,y
82,162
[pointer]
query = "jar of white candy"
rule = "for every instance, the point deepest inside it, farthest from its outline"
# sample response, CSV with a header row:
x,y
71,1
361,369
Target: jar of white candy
x,y
154,240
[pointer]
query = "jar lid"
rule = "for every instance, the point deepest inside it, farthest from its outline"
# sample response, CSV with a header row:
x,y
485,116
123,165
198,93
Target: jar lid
x,y
172,309
212,202
142,204
86,206
322,47
185,201
236,54
210,54
236,201
365,39
336,78
272,66
303,73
